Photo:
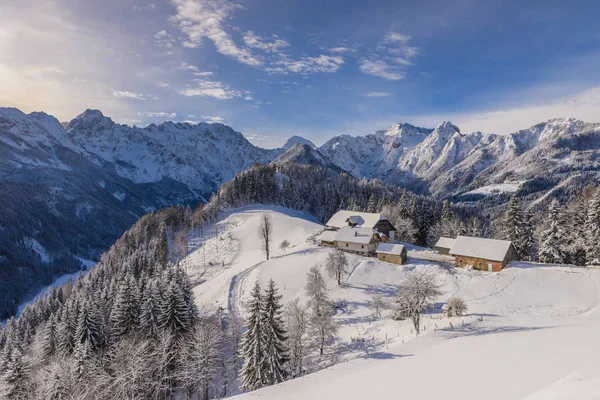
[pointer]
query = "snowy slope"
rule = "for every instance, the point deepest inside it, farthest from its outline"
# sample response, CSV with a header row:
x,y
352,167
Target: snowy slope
x,y
531,329
304,154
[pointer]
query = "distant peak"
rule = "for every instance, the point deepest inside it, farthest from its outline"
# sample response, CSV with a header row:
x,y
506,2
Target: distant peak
x,y
89,113
448,127
294,140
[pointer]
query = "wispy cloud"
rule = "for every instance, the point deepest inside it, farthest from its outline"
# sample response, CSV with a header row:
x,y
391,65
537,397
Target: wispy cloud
x,y
213,119
390,58
128,95
162,84
205,19
378,94
306,65
158,114
272,45
342,49
164,39
214,89
381,69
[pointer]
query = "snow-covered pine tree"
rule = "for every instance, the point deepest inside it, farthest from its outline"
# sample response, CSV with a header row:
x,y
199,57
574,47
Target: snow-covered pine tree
x,y
174,311
321,323
512,226
527,238
125,313
253,343
49,339
89,329
551,239
65,332
275,350
16,380
150,317
162,250
592,230
447,213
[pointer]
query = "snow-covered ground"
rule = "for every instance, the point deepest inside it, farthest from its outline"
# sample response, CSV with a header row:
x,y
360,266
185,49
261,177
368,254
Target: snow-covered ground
x,y
532,329
506,187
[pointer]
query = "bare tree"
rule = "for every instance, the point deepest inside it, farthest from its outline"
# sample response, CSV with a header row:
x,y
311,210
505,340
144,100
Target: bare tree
x,y
296,321
336,265
284,245
321,323
265,231
457,306
416,293
378,304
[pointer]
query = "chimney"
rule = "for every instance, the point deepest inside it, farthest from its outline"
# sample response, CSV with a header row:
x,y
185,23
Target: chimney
x,y
355,233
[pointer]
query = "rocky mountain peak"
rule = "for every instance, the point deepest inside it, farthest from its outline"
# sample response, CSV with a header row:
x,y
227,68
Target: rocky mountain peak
x,y
291,142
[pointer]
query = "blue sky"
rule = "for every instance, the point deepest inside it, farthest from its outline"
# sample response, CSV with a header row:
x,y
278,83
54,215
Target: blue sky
x,y
271,69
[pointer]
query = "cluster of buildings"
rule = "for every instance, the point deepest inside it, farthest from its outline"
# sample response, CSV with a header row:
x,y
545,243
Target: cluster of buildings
x,y
372,234
363,233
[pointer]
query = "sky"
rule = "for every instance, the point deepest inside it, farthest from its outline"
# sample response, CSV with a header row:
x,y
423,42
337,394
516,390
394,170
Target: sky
x,y
273,69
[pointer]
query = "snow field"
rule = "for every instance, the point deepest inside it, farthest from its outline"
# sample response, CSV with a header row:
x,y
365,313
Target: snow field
x,y
531,330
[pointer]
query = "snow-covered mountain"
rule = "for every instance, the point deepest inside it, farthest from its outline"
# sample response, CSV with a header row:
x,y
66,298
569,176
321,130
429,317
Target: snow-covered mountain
x,y
445,162
304,154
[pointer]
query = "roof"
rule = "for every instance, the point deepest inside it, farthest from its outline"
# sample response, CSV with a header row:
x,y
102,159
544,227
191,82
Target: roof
x,y
445,242
355,219
390,248
340,218
488,249
355,235
327,236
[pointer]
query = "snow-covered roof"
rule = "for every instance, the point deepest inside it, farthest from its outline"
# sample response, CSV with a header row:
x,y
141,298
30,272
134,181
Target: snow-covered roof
x,y
327,236
445,242
340,219
355,235
355,220
488,249
390,248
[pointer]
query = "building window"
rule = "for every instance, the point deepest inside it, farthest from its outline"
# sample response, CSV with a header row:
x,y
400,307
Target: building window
x,y
362,246
346,244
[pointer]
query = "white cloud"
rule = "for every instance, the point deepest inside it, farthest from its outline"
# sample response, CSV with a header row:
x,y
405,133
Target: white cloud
x,y
204,73
162,84
306,65
187,66
128,95
396,37
163,39
158,114
342,49
381,69
248,97
213,119
274,45
378,94
214,89
390,58
200,19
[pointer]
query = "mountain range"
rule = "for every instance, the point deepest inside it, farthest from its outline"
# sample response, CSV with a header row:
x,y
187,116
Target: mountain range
x,y
71,189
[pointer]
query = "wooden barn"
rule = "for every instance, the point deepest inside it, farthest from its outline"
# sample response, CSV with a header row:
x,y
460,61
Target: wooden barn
x,y
482,254
391,252
444,245
358,240
356,219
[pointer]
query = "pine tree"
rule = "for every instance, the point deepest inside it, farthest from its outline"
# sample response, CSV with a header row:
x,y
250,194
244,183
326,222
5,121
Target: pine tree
x,y
253,343
65,331
162,250
150,317
49,339
16,377
592,231
527,239
124,317
552,239
447,213
175,314
275,351
89,330
512,226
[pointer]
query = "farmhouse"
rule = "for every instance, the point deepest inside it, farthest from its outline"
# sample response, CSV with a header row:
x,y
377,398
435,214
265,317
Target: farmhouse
x,y
391,252
483,254
357,219
357,240
444,245
327,238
